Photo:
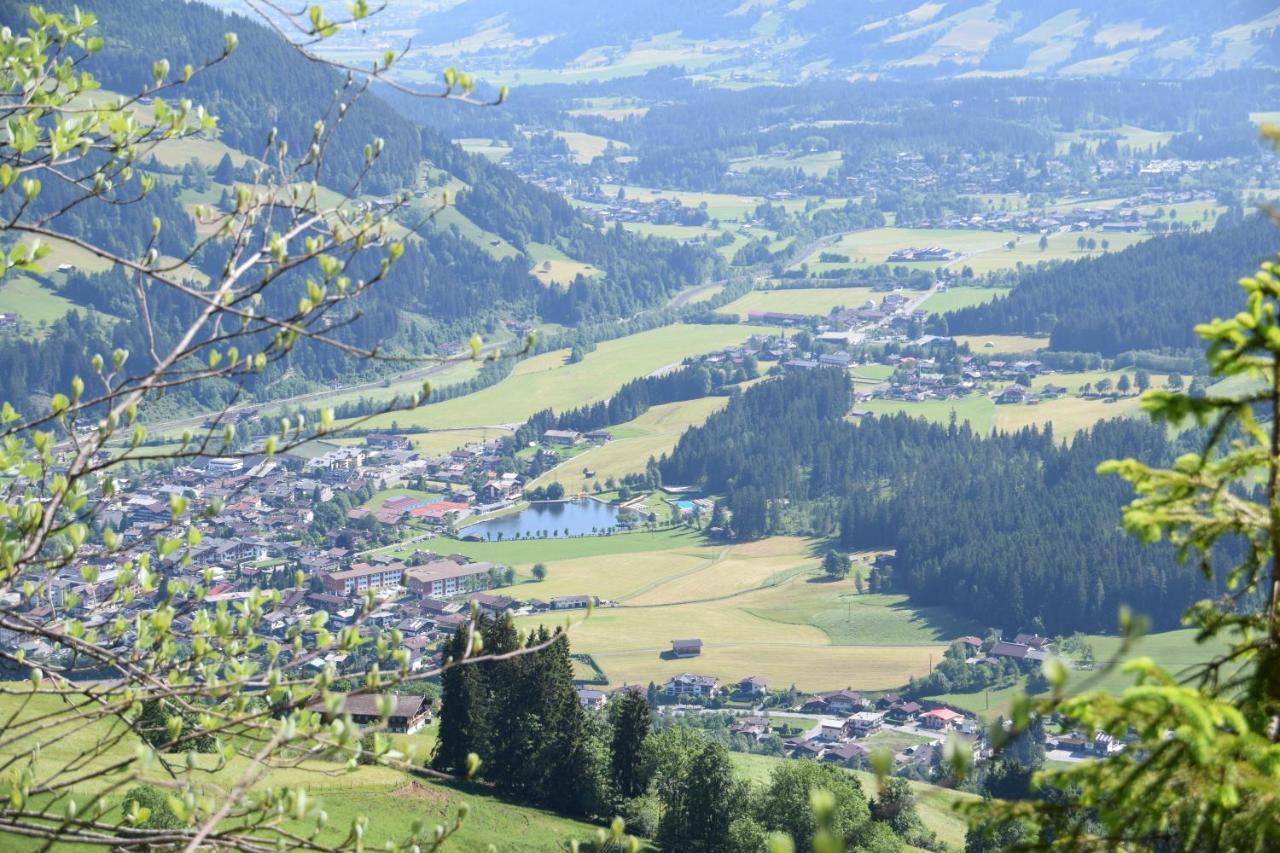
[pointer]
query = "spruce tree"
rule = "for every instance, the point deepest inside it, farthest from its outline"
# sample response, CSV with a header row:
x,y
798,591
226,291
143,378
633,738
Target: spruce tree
x,y
630,728
507,712
464,724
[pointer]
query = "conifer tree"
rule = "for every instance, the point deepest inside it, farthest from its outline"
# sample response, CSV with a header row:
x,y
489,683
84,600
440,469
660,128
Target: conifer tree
x,y
464,724
630,728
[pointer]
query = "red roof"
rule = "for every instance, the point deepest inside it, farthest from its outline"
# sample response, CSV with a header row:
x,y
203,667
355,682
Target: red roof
x,y
945,714
439,509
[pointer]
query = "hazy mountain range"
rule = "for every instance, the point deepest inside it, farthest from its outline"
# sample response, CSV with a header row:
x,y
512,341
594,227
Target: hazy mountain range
x,y
792,39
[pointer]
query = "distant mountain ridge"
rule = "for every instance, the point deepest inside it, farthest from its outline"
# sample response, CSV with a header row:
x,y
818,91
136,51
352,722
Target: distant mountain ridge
x,y
901,38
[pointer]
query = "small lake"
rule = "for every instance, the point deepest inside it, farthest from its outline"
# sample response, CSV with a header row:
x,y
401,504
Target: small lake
x,y
551,519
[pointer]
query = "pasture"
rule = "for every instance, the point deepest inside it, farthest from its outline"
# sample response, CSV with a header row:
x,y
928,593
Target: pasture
x,y
1126,136
814,164
490,149
1060,247
955,298
808,300
549,381
723,206
873,246
651,435
754,605
35,302
553,267
1068,415
586,147
976,409
390,798
1006,344
451,217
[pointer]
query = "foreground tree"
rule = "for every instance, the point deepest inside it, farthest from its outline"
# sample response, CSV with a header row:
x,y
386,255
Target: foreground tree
x,y
1201,768
116,678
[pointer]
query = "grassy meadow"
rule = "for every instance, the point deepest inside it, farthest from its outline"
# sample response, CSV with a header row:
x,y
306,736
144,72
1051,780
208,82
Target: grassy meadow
x,y
651,435
549,381
807,300
761,608
390,798
955,298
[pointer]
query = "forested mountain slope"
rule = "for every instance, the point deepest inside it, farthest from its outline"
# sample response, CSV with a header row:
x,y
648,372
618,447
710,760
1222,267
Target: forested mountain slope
x,y
1147,297
447,286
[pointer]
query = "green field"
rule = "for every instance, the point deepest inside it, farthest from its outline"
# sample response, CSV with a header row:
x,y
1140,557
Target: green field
x,y
390,798
586,147
1061,247
35,302
977,409
935,804
753,604
379,498
451,217
955,298
809,300
817,165
552,266
1126,135
1006,344
723,206
873,246
548,381
651,435
487,148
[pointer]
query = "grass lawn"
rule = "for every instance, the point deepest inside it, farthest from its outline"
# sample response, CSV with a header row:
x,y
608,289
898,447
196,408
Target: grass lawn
x,y
548,381
976,409
935,804
650,435
586,147
955,298
1008,344
1176,651
871,373
808,300
379,498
